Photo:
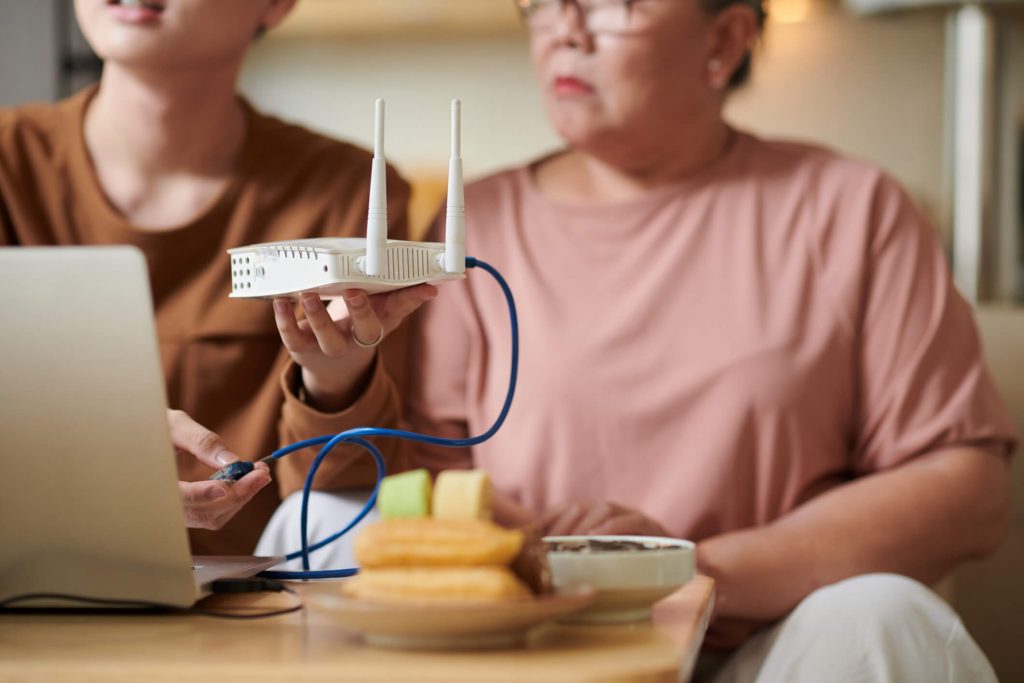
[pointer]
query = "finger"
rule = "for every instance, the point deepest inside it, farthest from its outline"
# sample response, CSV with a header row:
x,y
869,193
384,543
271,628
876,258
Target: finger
x,y
295,339
210,504
594,519
382,301
551,515
508,513
203,492
331,340
366,326
242,491
249,485
633,524
547,518
238,492
338,312
395,307
617,526
192,437
565,524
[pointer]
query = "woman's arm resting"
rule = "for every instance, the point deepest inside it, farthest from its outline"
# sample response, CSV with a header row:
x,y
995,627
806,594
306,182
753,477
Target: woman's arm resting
x,y
919,519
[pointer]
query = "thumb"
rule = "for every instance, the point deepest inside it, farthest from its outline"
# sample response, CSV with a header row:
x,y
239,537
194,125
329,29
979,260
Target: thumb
x,y
190,436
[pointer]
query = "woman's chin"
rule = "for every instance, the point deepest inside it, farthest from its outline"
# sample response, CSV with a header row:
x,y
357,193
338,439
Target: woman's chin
x,y
577,126
128,47
591,137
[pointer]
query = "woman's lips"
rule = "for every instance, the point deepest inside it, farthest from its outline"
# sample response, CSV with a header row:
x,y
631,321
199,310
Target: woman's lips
x,y
136,12
570,85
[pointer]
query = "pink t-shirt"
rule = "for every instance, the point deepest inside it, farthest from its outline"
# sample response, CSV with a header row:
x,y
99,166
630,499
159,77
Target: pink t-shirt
x,y
714,353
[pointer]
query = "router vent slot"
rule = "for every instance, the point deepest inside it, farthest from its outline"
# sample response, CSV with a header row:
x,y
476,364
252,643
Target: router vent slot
x,y
293,252
408,263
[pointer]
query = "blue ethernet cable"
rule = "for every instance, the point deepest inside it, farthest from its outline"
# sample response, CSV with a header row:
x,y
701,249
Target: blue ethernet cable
x,y
358,437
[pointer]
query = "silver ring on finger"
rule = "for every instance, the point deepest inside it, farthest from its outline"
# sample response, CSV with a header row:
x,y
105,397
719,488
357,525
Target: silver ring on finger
x,y
368,345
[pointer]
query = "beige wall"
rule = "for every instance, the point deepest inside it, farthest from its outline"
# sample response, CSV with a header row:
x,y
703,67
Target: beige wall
x,y
331,85
872,88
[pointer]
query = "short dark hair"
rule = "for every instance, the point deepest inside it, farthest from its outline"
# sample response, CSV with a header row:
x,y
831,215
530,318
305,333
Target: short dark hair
x,y
742,72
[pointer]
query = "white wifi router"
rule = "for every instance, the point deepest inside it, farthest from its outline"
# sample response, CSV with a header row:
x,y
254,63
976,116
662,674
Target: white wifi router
x,y
327,266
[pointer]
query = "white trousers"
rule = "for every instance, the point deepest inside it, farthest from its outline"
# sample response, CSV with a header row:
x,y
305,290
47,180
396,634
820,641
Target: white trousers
x,y
875,628
329,513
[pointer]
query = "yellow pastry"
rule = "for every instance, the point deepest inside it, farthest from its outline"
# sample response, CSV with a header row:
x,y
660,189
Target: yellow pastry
x,y
462,494
428,542
463,584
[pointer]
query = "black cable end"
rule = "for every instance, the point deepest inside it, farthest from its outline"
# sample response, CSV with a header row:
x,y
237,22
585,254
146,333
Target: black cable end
x,y
234,471
250,585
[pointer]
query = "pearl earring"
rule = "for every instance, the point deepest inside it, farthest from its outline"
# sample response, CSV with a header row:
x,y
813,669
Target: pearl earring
x,y
714,65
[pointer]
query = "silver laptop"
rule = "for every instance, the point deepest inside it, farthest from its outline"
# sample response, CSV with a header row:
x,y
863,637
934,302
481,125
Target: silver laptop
x,y
89,502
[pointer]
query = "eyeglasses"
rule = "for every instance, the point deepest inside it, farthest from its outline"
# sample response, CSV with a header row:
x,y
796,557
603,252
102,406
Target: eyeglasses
x,y
598,16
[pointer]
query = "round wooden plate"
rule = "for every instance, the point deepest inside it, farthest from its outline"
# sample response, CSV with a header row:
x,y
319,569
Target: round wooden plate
x,y
449,625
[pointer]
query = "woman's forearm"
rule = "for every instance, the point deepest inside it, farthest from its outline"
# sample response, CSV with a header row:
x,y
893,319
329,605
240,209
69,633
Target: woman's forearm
x,y
919,519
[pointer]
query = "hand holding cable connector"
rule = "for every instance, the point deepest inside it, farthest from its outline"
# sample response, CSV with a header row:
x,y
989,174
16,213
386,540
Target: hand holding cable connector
x,y
211,504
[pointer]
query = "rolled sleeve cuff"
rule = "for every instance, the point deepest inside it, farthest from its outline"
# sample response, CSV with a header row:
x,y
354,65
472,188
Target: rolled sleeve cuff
x,y
348,466
303,421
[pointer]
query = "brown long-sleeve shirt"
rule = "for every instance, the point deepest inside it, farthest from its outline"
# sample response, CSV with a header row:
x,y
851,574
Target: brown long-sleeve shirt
x,y
222,358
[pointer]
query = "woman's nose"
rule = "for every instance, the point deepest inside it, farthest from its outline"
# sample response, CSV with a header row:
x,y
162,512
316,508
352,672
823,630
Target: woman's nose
x,y
571,26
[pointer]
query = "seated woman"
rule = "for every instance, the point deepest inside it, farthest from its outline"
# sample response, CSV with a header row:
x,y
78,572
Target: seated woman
x,y
753,344
165,156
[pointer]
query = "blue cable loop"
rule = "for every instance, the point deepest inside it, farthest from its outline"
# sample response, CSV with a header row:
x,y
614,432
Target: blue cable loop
x,y
358,437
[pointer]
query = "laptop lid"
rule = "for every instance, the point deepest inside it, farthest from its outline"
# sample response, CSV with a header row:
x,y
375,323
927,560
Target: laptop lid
x,y
89,503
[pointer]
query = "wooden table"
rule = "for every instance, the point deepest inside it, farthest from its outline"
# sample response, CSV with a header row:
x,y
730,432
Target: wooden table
x,y
310,646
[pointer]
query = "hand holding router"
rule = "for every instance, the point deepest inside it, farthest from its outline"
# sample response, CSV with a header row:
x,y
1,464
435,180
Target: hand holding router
x,y
327,266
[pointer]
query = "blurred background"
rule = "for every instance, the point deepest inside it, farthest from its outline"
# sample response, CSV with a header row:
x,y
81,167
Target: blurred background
x,y
874,78
932,91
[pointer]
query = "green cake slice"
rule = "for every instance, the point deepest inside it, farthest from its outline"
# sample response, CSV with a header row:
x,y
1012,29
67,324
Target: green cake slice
x,y
405,495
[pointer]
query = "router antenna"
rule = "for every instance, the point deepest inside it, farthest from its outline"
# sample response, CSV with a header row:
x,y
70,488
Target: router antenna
x,y
455,219
377,216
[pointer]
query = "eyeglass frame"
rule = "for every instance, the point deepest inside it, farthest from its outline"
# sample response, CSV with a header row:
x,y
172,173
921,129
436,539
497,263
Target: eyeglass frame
x,y
524,9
